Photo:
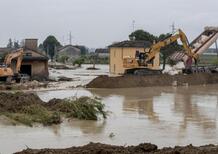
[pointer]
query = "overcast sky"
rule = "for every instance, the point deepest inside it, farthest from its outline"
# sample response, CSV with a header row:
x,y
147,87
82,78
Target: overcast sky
x,y
98,23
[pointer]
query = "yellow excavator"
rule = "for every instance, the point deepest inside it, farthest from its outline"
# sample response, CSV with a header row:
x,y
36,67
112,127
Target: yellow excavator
x,y
7,71
142,63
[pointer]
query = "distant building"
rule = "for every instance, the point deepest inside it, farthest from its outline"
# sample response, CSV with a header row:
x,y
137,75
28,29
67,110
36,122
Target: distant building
x,y
70,51
102,53
118,51
34,63
211,51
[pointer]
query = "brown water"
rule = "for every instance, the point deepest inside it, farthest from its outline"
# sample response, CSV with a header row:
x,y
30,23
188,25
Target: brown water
x,y
165,116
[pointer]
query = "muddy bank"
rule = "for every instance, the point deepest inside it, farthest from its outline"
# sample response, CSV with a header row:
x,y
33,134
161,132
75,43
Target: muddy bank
x,y
154,80
145,148
28,108
23,86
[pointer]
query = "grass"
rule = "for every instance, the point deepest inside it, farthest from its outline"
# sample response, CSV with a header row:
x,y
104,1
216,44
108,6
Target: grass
x,y
83,108
35,114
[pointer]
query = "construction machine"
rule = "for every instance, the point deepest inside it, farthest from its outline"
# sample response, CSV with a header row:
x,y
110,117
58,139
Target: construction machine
x,y
142,63
7,71
198,46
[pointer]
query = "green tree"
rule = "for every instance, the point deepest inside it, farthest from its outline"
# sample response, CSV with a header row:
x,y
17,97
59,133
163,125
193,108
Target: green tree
x,y
83,49
79,61
10,43
141,35
16,44
50,45
41,46
168,50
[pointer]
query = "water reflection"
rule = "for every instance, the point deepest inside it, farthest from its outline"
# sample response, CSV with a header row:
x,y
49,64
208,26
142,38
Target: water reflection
x,y
87,127
181,106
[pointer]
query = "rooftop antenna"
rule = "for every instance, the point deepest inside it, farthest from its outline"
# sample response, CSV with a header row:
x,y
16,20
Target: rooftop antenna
x,y
173,27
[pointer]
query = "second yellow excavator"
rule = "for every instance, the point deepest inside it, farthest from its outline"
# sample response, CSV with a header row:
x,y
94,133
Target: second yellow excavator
x,y
7,71
142,63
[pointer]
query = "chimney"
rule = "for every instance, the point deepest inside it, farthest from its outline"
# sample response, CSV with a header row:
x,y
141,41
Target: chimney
x,y
31,44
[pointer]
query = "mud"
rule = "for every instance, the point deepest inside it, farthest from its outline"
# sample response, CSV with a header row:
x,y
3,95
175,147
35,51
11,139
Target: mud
x,y
129,81
14,102
144,148
24,86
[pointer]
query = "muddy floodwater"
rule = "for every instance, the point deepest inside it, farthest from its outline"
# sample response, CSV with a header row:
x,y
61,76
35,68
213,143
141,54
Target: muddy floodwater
x,y
164,116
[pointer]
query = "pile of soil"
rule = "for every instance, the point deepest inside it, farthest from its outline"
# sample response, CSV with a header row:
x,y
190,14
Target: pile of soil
x,y
129,81
145,148
14,102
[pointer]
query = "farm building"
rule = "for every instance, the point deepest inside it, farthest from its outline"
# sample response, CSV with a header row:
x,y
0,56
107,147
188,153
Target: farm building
x,y
121,50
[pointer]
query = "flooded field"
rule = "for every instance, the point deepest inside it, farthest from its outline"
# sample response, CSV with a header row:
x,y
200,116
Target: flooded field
x,y
164,116
81,76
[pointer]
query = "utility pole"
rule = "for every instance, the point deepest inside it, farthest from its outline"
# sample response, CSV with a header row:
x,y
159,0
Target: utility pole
x,y
133,25
173,27
70,38
216,48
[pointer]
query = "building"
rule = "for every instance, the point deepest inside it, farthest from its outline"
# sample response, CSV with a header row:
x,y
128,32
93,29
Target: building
x,y
70,51
102,53
34,63
119,51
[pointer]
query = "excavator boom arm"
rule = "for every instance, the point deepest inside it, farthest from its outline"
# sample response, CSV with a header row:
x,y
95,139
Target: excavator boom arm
x,y
156,47
16,54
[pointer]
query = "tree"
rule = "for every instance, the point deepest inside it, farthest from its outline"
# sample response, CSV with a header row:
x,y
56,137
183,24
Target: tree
x,y
141,35
50,45
168,50
41,46
79,61
83,49
16,44
10,43
94,58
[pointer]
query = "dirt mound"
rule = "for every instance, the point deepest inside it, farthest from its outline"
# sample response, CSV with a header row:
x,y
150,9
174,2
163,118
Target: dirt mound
x,y
129,81
14,102
145,148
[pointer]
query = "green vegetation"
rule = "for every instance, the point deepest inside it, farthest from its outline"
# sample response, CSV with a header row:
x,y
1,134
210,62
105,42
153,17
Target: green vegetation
x,y
83,108
79,61
35,114
50,45
208,60
62,58
32,110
